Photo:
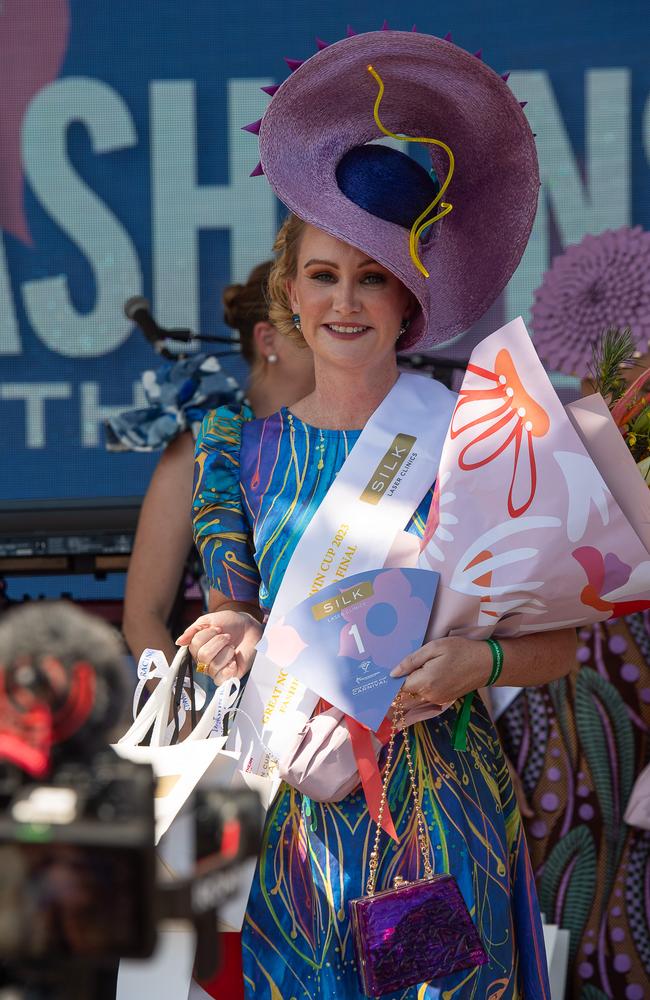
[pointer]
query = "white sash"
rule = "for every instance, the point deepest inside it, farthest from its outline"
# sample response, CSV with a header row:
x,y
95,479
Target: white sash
x,y
384,478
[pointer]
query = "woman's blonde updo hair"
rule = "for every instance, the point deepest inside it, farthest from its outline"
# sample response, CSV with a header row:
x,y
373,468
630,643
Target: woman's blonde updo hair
x,y
246,305
285,266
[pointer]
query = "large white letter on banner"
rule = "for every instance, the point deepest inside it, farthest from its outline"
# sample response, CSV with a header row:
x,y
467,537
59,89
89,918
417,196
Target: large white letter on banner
x,y
34,395
181,207
579,207
9,338
80,214
93,412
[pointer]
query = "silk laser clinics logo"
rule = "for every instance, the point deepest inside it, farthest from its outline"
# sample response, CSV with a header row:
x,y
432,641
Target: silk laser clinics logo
x,y
353,595
388,469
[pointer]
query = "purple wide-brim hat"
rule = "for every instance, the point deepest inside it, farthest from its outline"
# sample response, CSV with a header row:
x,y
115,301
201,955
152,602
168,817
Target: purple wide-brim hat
x,y
434,89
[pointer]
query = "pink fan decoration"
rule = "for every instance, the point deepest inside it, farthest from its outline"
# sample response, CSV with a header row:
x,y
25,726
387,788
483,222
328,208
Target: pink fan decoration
x,y
33,42
601,282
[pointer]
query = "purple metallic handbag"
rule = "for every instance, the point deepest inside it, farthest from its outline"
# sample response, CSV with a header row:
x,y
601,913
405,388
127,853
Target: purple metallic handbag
x,y
417,931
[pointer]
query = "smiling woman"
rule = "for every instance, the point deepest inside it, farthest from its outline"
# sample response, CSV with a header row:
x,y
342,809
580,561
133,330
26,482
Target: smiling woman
x,y
257,488
351,312
272,496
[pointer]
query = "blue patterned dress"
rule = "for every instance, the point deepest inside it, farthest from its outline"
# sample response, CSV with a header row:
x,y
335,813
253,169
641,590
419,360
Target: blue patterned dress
x,y
258,483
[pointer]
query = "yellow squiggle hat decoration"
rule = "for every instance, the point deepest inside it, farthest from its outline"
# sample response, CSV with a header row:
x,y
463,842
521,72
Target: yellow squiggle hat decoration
x,y
422,222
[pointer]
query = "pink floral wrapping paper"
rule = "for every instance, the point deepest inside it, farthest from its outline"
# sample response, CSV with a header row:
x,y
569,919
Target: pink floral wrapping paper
x,y
524,530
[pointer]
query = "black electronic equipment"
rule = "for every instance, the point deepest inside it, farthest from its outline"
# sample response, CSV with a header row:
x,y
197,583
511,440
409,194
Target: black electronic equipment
x,y
78,888
66,536
442,369
77,864
78,885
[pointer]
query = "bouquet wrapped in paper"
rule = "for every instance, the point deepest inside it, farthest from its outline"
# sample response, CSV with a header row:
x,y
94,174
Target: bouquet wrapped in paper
x,y
540,518
614,361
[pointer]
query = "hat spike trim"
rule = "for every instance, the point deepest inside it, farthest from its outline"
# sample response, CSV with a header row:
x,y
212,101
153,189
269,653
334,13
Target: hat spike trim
x,y
479,54
385,26
422,222
293,65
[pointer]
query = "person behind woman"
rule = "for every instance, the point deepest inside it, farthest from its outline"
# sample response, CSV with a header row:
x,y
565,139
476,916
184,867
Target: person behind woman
x,y
345,281
280,372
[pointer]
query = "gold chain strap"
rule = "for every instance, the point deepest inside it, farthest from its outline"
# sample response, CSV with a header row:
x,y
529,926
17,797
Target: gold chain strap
x,y
423,833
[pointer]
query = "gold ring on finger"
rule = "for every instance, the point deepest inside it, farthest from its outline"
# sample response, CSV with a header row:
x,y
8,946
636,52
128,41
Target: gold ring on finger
x,y
201,668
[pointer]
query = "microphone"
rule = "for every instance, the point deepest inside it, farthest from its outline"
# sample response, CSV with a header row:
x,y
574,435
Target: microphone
x,y
138,310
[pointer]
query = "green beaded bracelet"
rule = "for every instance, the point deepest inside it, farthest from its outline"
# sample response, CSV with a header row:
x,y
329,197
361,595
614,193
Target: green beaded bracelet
x,y
497,661
459,735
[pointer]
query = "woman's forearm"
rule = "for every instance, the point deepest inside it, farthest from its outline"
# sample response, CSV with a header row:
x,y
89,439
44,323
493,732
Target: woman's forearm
x,y
162,542
537,658
446,669
148,629
219,602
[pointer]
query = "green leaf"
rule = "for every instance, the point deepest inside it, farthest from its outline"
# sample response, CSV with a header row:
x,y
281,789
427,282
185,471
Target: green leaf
x,y
590,992
607,740
614,351
576,852
603,722
558,692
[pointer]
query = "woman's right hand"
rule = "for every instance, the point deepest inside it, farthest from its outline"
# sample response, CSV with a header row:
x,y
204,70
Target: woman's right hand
x,y
223,642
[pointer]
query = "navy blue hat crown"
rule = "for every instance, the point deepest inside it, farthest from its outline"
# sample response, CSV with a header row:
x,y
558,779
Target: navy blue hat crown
x,y
387,183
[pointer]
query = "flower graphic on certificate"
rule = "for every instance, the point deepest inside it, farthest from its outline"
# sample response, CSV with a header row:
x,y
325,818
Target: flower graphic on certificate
x,y
343,641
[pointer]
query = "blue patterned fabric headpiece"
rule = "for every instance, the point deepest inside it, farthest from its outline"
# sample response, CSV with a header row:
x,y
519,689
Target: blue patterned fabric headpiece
x,y
179,396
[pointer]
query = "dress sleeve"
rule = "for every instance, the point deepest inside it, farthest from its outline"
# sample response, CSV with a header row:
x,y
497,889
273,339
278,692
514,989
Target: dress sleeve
x,y
221,531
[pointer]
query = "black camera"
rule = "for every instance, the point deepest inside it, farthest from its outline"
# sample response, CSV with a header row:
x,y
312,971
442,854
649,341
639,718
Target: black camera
x,y
79,885
77,865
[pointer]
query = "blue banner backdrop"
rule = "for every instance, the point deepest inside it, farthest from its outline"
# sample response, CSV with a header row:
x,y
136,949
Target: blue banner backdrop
x,y
124,170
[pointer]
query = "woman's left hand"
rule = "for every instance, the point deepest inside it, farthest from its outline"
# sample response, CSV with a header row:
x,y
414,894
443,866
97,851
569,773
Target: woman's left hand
x,y
444,670
223,642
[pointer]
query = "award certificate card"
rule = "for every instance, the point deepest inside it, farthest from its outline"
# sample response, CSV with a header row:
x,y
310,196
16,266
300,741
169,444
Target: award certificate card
x,y
344,641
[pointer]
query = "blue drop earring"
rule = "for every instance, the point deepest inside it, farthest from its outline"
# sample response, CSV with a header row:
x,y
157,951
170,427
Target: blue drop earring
x,y
296,321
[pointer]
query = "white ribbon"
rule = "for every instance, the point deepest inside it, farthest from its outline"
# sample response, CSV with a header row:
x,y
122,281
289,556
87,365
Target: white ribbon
x,y
387,473
153,665
211,722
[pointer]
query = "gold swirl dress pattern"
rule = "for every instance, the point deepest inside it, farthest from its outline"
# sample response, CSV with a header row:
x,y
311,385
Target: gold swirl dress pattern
x,y
257,486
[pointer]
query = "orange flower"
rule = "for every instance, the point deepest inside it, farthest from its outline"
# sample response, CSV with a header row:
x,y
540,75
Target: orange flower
x,y
514,412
